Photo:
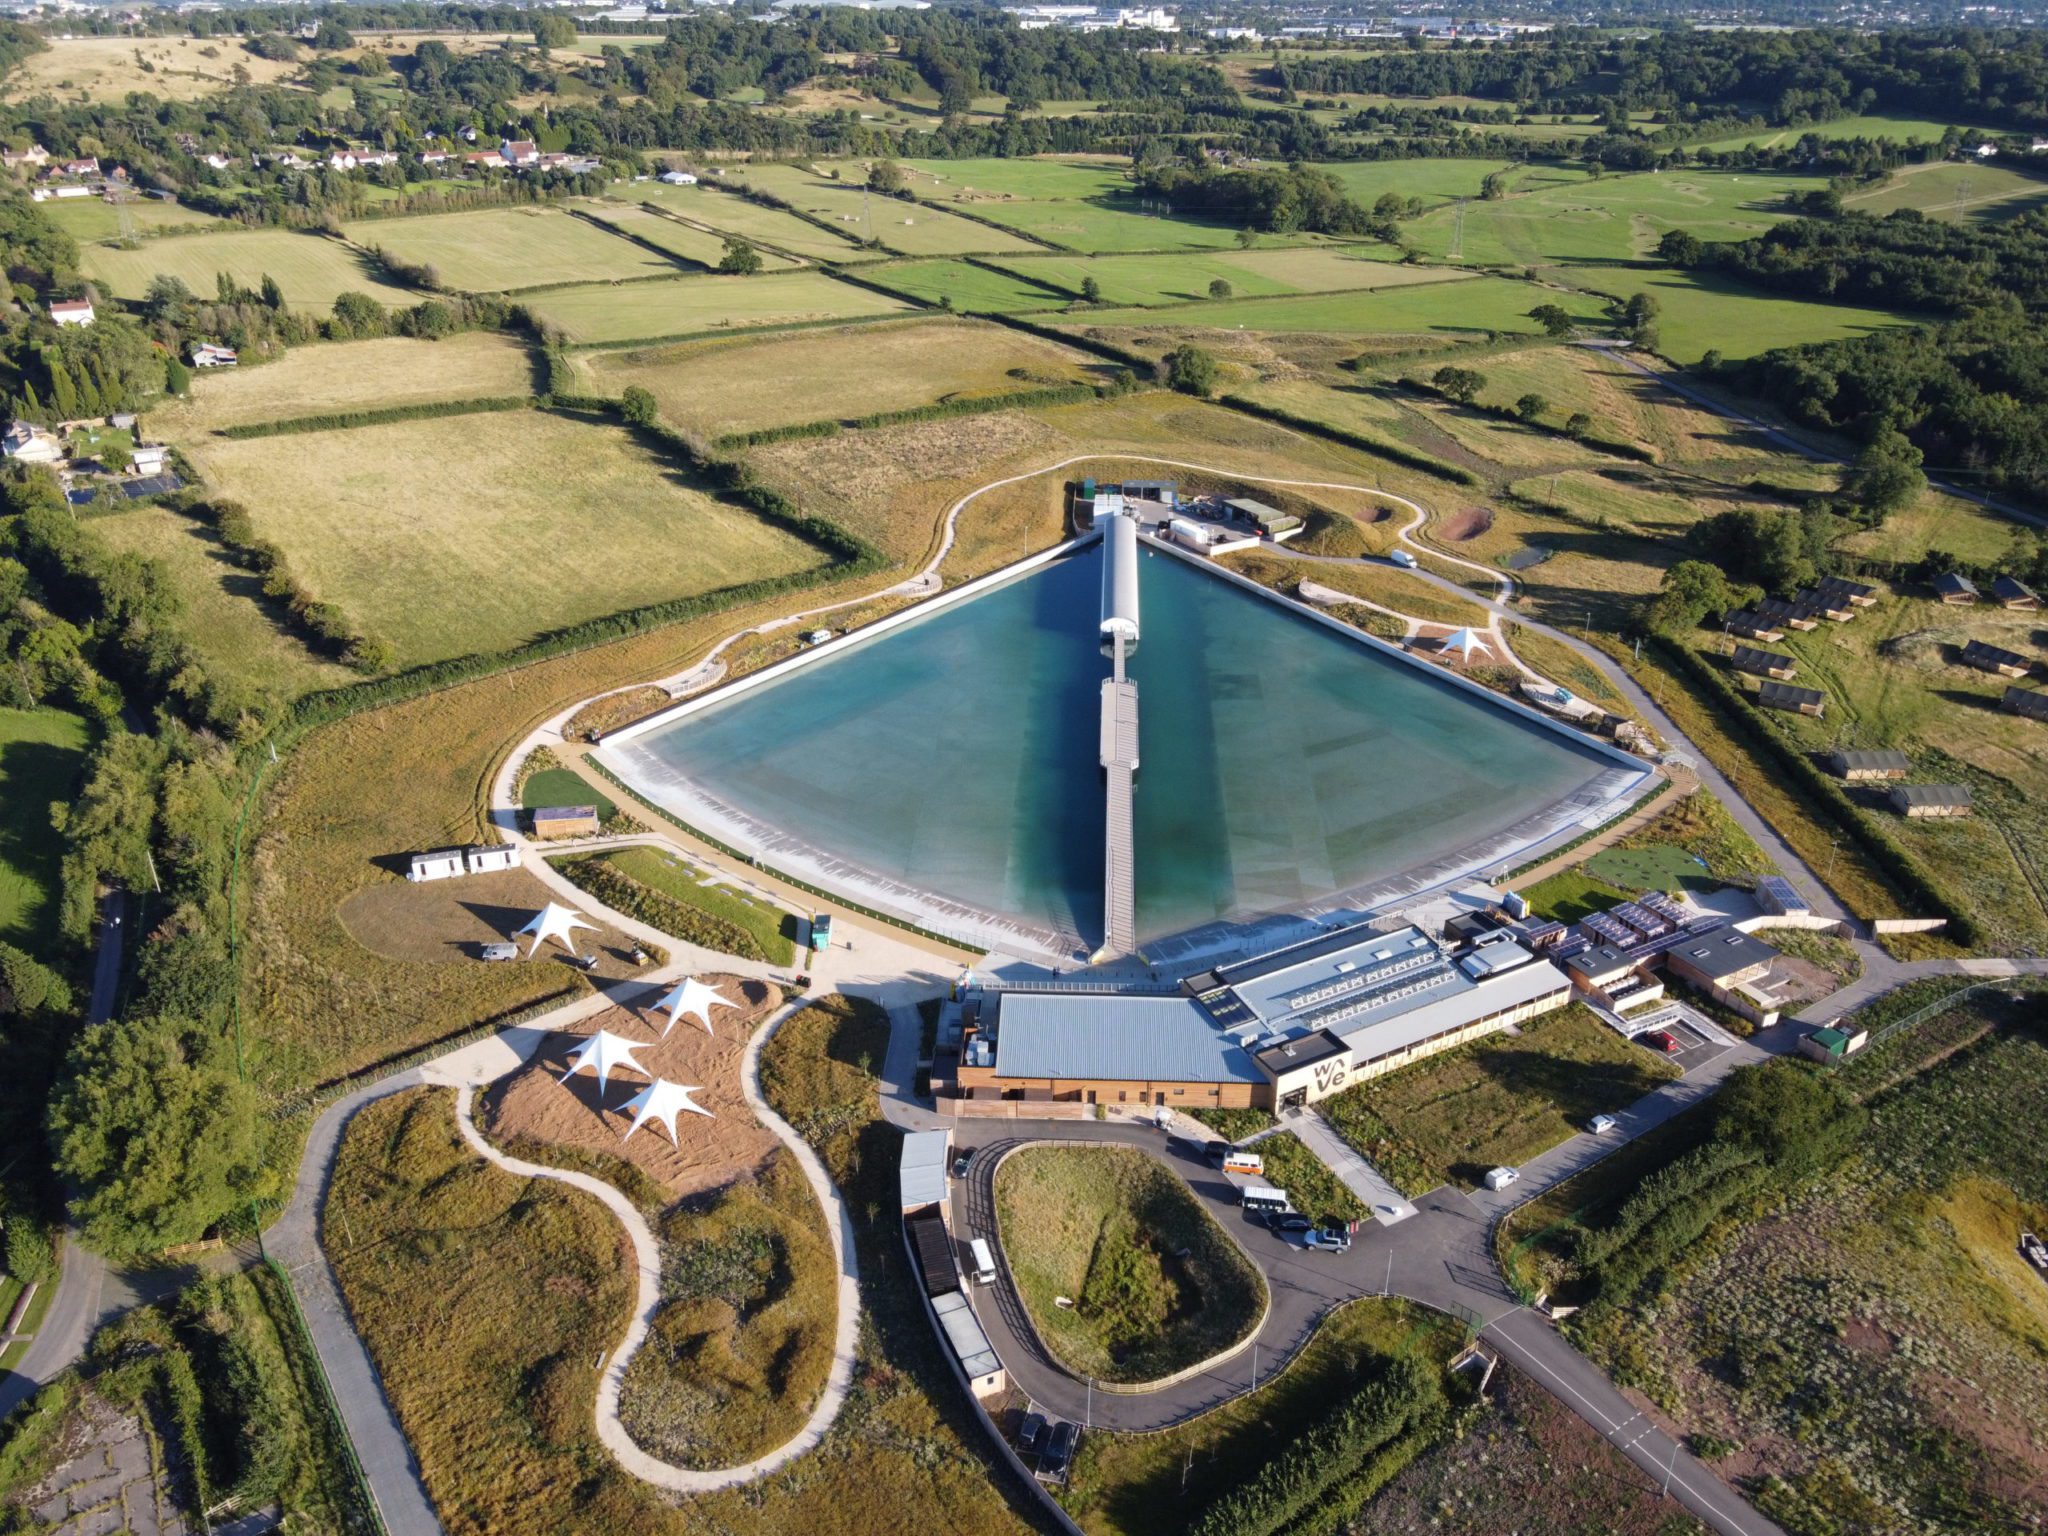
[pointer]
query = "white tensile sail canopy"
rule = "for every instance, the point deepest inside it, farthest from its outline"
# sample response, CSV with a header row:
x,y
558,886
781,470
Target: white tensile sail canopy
x,y
694,998
557,922
662,1100
602,1052
1465,642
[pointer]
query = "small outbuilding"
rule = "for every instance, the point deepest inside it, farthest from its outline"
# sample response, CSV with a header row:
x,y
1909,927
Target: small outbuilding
x,y
439,864
2027,701
1778,896
487,858
1955,587
1752,626
1794,700
1865,767
1788,615
1992,658
565,821
1920,801
1857,593
1748,658
2011,592
1838,609
1270,521
1832,1043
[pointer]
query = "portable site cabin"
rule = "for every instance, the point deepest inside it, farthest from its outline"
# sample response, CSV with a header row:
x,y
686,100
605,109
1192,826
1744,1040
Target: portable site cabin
x,y
485,858
440,864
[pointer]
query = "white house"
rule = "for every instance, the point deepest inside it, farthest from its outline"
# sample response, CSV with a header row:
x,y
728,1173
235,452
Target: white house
x,y
484,858
90,166
433,157
206,355
34,155
219,162
72,312
519,152
441,864
679,178
1985,151
30,444
151,458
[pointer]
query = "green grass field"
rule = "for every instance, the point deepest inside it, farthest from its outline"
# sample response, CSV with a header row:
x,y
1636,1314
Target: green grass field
x,y
1498,1101
610,313
312,269
1037,180
497,250
1432,180
1617,218
240,633
1457,305
1186,277
1875,126
452,535
1948,189
687,241
564,786
1701,312
973,289
42,753
1572,894
1106,1226
92,218
1098,228
908,228
1653,867
728,212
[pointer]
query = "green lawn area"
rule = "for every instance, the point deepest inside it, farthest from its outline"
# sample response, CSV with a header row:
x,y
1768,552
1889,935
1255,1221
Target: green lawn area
x,y
973,289
611,313
1038,180
564,786
1464,305
1098,227
91,218
1105,1226
42,753
1652,867
1432,179
1186,276
1949,189
1572,894
1874,126
1311,1188
701,247
772,928
1614,219
1156,1485
1500,1100
1702,312
311,269
495,250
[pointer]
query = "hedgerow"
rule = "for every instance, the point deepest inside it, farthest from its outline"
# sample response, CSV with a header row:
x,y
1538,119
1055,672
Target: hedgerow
x,y
324,626
336,420
1380,447
941,410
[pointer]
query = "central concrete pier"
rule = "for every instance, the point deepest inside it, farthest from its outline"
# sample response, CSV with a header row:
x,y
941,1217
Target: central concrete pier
x,y
1119,749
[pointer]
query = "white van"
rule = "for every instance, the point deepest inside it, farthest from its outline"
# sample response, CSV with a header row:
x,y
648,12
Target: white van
x,y
1402,558
1501,1178
984,1270
1249,1164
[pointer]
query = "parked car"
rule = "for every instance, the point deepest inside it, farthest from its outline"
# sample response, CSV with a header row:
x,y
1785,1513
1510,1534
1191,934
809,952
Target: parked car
x,y
1663,1040
1059,1451
1328,1240
2036,1251
962,1163
1501,1178
1215,1152
1293,1223
1030,1434
1602,1124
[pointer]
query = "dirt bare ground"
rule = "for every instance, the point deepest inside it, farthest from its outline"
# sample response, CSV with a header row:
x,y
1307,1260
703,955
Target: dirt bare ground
x,y
535,1106
1465,524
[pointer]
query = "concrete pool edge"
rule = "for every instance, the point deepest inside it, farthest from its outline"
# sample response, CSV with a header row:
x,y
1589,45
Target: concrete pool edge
x,y
1596,801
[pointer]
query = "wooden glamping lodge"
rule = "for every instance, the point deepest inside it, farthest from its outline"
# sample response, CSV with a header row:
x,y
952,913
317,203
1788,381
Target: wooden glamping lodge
x,y
1991,658
1748,658
1920,801
1798,701
1866,767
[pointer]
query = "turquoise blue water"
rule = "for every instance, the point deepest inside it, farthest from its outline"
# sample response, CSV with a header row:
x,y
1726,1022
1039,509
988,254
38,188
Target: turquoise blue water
x,y
1281,762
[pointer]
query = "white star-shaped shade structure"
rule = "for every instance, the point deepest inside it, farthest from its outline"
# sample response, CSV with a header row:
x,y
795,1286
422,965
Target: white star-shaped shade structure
x,y
662,1100
692,997
557,922
602,1052
1465,642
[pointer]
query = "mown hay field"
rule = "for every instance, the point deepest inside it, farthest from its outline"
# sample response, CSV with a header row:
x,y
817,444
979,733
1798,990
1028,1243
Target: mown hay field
x,y
495,250
240,633
733,214
1096,227
313,270
1251,274
906,227
718,387
1953,190
1432,180
1700,313
602,313
106,69
699,246
1036,180
42,753
457,534
348,376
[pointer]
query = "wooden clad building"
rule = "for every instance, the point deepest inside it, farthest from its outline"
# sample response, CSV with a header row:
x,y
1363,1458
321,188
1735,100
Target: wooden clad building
x,y
1803,701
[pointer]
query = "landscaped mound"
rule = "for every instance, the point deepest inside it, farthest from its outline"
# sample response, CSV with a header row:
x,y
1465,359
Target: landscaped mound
x,y
1156,1285
534,1114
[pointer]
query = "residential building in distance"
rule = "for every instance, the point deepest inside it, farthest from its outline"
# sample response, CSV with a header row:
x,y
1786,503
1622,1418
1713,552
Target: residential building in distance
x,y
30,444
72,311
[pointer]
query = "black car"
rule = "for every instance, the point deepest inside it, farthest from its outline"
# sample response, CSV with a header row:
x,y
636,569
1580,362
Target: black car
x,y
1292,1223
1059,1450
962,1163
1030,1433
1215,1153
